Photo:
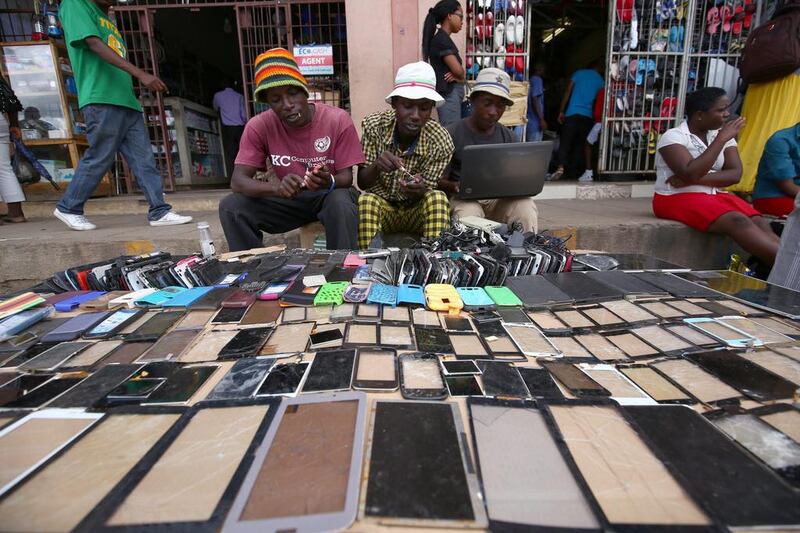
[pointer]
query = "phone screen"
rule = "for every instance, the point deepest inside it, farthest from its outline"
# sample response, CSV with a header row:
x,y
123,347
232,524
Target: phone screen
x,y
112,323
330,371
283,379
229,315
326,336
463,386
156,326
452,368
376,369
246,343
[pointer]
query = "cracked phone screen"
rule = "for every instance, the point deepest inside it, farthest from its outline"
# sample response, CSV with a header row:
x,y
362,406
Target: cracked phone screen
x,y
291,483
765,442
516,451
421,373
396,336
630,484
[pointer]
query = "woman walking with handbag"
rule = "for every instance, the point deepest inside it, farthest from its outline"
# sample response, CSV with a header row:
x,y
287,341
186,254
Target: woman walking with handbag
x,y
10,190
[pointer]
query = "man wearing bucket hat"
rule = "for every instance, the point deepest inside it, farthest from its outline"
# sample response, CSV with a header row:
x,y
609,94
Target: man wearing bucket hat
x,y
489,99
312,149
406,154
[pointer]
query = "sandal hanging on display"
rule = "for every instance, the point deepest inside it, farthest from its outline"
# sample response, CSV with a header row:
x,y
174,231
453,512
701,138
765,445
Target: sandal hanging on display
x,y
712,20
726,14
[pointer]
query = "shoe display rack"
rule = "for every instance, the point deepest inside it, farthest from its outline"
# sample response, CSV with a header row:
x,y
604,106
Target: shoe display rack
x,y
498,35
659,51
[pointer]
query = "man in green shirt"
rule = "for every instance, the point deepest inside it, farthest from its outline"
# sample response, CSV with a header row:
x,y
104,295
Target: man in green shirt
x,y
113,115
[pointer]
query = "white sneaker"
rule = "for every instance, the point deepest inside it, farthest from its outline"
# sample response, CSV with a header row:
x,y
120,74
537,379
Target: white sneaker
x,y
171,219
511,30
587,177
76,222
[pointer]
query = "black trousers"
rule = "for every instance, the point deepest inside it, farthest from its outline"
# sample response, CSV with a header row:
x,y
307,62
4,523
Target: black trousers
x,y
231,135
570,147
243,218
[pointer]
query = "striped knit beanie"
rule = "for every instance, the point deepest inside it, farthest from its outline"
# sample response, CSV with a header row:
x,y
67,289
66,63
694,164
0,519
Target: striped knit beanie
x,y
276,68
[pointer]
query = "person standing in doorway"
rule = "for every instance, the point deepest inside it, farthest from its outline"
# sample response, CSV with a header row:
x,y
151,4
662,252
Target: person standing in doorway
x,y
10,189
576,114
113,115
230,104
441,52
536,122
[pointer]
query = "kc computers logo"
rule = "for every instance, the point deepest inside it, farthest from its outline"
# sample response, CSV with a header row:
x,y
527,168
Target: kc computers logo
x,y
322,144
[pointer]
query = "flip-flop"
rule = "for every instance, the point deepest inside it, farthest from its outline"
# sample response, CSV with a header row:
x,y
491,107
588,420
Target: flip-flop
x,y
519,62
652,142
673,39
511,30
749,10
500,35
659,39
14,220
509,58
500,58
738,20
520,8
555,176
712,20
726,14
624,10
520,30
634,35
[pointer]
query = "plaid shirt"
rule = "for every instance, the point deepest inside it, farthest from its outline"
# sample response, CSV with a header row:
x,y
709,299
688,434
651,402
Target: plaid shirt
x,y
428,155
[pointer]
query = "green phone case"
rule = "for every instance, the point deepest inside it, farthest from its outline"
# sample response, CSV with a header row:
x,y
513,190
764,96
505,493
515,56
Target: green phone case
x,y
503,296
332,293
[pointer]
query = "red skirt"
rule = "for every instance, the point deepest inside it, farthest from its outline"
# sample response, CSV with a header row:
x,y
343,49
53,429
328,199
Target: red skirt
x,y
699,210
779,206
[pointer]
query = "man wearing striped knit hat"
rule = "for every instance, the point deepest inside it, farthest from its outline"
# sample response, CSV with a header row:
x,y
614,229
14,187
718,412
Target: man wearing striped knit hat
x,y
312,147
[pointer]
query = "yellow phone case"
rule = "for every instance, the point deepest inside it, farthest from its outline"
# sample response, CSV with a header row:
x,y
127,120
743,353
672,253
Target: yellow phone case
x,y
443,297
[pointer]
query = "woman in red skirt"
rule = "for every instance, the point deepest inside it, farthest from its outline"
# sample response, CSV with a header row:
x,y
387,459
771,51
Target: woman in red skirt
x,y
697,158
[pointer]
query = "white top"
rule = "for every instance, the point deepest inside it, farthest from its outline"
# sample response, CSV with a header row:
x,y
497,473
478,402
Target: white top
x,y
681,135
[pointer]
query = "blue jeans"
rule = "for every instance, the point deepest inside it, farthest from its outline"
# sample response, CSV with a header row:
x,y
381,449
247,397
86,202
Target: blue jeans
x,y
450,110
533,134
109,129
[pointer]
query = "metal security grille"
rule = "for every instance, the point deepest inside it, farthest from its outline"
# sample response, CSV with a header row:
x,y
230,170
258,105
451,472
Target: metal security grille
x,y
15,20
659,51
136,25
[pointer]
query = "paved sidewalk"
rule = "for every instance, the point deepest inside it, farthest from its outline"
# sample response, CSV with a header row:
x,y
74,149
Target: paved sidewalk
x,y
34,250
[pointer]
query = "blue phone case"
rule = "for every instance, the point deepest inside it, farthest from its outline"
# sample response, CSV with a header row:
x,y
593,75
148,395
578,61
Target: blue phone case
x,y
411,294
187,297
476,299
157,299
382,294
74,327
65,306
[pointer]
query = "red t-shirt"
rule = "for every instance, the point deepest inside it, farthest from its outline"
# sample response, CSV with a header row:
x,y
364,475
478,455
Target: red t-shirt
x,y
330,138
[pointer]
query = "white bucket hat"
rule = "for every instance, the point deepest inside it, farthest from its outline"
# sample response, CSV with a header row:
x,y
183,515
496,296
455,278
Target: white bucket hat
x,y
416,81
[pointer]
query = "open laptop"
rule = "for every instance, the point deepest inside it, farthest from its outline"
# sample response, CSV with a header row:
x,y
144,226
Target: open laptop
x,y
504,170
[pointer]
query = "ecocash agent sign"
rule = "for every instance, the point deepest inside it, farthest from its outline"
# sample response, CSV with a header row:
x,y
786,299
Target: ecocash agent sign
x,y
315,60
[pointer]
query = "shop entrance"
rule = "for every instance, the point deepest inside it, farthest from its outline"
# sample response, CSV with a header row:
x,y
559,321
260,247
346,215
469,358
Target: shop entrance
x,y
198,47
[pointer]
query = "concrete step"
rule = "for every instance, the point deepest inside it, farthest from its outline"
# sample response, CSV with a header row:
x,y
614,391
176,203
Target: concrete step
x,y
35,250
208,200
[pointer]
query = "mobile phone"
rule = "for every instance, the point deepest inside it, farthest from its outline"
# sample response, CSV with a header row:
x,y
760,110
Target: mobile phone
x,y
113,323
283,380
239,299
274,291
420,377
376,369
155,326
325,336
74,327
331,371
463,386
229,315
457,323
246,343
460,368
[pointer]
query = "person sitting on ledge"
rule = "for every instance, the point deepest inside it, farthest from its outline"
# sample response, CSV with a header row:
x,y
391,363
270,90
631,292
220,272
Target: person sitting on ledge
x,y
312,149
406,153
778,177
490,97
696,158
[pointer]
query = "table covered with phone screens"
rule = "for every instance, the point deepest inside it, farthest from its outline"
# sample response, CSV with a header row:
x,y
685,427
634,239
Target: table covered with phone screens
x,y
582,400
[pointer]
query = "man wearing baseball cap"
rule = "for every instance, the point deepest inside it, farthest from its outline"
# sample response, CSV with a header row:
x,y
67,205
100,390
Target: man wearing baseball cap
x,y
406,154
312,149
489,98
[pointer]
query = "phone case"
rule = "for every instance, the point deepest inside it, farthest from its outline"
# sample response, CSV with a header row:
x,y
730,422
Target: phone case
x,y
332,293
411,294
67,305
443,297
356,294
130,298
240,299
157,299
476,299
380,293
187,297
503,296
74,327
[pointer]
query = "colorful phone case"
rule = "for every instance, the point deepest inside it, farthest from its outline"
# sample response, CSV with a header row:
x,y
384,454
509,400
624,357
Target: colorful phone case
x,y
443,297
503,296
476,299
157,299
65,306
411,294
380,293
332,293
187,297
